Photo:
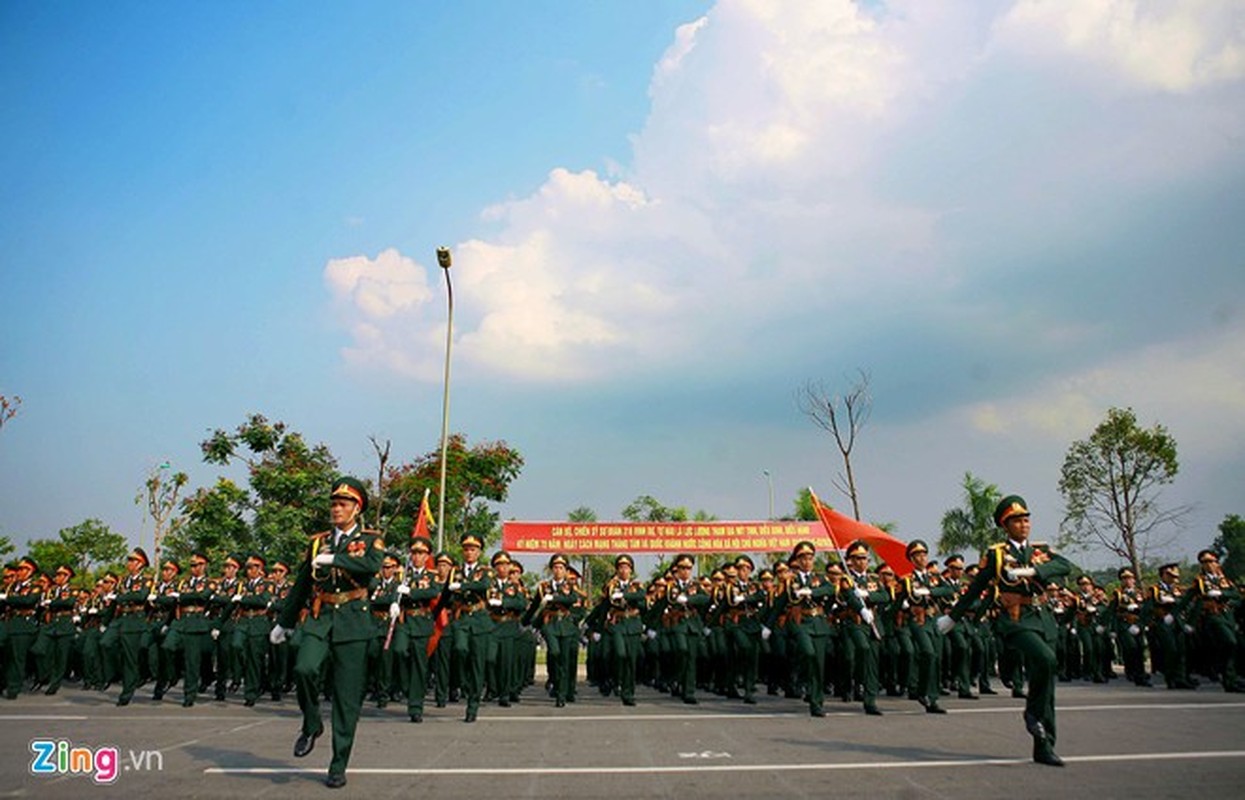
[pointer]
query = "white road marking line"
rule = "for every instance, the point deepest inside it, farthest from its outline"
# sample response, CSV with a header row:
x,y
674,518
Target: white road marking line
x,y
650,769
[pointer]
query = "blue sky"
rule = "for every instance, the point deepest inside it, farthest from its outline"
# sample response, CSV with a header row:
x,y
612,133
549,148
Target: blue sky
x,y
666,217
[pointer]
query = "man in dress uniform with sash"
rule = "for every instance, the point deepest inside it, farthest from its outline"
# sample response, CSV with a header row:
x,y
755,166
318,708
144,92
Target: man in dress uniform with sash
x,y
332,585
252,627
472,628
862,593
550,610
129,627
58,631
22,597
680,606
804,603
919,595
417,595
1213,597
1018,572
191,627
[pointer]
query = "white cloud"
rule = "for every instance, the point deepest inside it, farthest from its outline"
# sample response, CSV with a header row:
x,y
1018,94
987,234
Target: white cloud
x,y
1175,47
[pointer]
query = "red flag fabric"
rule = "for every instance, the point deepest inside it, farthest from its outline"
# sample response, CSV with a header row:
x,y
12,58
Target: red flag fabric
x,y
843,530
443,619
423,521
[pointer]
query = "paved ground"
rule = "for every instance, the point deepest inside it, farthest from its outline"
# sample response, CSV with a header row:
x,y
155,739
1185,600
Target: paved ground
x,y
1119,741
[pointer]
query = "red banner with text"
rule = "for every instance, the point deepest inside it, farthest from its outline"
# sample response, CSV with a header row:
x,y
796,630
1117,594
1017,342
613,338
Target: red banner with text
x,y
608,538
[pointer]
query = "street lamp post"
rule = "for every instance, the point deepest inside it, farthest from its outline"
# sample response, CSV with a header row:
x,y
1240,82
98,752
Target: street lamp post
x,y
443,259
769,480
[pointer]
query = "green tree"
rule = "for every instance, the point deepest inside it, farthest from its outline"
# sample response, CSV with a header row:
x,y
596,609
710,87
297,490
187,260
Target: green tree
x,y
596,569
972,524
1111,484
6,546
1230,544
215,523
86,546
646,508
475,477
289,479
159,496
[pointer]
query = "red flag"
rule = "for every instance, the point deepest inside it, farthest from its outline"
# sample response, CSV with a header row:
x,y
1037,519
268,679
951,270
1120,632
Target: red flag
x,y
843,530
443,619
423,521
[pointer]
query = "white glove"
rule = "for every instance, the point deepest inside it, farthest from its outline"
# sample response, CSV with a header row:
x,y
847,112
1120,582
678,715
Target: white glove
x,y
92,611
1214,593
76,619
103,628
47,601
1131,607
175,595
456,585
495,602
866,616
1016,573
323,560
1169,619
547,599
151,598
395,610
804,591
596,637
737,599
862,593
1188,628
1098,629
237,598
404,590
920,591
164,629
650,633
111,596
708,633
616,596
4,596
766,633
216,633
1072,631
1134,630
277,635
1091,609
681,599
905,605
944,624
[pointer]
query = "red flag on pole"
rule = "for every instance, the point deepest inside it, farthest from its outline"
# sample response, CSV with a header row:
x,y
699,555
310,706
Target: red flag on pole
x,y
843,530
423,520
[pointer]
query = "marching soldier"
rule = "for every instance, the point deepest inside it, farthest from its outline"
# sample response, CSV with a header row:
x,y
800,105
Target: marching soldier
x,y
919,596
90,612
417,595
624,599
128,626
280,678
442,651
190,631
1213,597
228,665
22,599
1125,611
1086,631
59,628
861,592
332,584
680,608
551,611
252,627
506,602
1018,572
379,651
745,603
1163,609
803,600
472,626
162,664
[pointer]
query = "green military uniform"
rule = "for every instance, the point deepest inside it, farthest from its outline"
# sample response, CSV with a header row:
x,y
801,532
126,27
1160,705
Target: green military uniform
x,y
59,629
332,585
681,607
1017,573
864,595
551,610
224,612
622,603
919,593
385,615
21,626
128,630
1125,613
413,633
1163,607
190,631
163,608
506,600
1213,598
91,613
803,601
472,627
252,626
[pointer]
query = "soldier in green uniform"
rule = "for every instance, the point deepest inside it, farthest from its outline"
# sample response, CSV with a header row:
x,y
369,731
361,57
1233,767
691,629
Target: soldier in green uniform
x,y
862,592
21,623
919,594
1125,609
384,595
332,585
804,601
1090,667
442,653
624,600
506,601
417,594
161,662
280,676
228,659
1018,572
472,627
1213,597
190,631
92,659
745,603
59,629
550,610
681,607
1164,601
252,626
128,627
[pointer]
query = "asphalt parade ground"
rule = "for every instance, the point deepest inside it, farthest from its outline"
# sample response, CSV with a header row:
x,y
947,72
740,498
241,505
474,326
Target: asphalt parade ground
x,y
1118,741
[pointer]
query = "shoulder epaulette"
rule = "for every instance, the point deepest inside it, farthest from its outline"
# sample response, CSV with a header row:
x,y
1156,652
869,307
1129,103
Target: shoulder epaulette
x,y
319,535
